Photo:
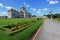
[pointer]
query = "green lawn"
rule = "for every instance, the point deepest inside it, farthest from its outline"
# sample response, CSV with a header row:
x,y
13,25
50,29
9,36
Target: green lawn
x,y
58,19
5,22
21,35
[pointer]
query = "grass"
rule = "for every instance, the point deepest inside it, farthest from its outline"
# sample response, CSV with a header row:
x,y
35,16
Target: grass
x,y
58,19
23,35
5,22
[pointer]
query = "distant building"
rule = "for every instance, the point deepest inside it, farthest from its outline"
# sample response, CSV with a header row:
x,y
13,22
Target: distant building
x,y
3,16
12,13
34,16
51,12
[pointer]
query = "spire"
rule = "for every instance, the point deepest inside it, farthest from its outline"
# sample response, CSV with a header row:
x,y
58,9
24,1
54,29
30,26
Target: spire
x,y
22,7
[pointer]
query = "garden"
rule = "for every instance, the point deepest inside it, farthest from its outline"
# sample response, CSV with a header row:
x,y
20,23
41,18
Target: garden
x,y
18,28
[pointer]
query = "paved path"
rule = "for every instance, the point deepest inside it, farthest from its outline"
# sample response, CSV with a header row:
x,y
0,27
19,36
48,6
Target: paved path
x,y
50,31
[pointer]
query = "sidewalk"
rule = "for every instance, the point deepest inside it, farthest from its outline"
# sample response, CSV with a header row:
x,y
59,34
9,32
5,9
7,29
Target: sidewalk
x,y
50,31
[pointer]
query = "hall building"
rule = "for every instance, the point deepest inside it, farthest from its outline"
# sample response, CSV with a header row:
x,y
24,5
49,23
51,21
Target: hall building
x,y
23,13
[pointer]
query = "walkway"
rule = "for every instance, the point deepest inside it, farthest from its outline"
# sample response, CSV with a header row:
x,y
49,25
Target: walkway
x,y
50,31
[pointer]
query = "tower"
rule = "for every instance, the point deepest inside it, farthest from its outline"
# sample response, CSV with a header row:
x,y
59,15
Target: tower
x,y
51,13
23,11
9,13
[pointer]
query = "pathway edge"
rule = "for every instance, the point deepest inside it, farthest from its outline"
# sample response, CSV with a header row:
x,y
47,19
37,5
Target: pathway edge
x,y
34,35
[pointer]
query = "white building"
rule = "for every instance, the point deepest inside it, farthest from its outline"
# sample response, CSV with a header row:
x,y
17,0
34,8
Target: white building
x,y
12,13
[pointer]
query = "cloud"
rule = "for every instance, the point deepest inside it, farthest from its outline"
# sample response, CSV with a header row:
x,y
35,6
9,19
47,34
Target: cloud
x,y
53,1
28,5
24,3
47,0
58,9
1,5
3,14
33,9
38,12
8,7
45,9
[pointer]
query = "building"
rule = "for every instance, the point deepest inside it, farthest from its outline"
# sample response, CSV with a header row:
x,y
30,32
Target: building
x,y
12,13
51,13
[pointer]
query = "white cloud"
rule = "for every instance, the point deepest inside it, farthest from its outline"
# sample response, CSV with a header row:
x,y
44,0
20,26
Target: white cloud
x,y
8,7
40,9
1,5
33,9
28,5
53,1
3,14
38,12
24,3
45,9
47,0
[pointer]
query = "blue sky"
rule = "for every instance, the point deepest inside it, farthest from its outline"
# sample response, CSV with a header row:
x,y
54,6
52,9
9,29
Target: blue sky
x,y
36,7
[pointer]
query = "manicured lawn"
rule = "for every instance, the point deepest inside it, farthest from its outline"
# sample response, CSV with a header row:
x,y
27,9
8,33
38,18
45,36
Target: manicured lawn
x,y
5,22
24,34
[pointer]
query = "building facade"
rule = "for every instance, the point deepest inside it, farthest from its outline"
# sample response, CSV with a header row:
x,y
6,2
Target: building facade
x,y
12,13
